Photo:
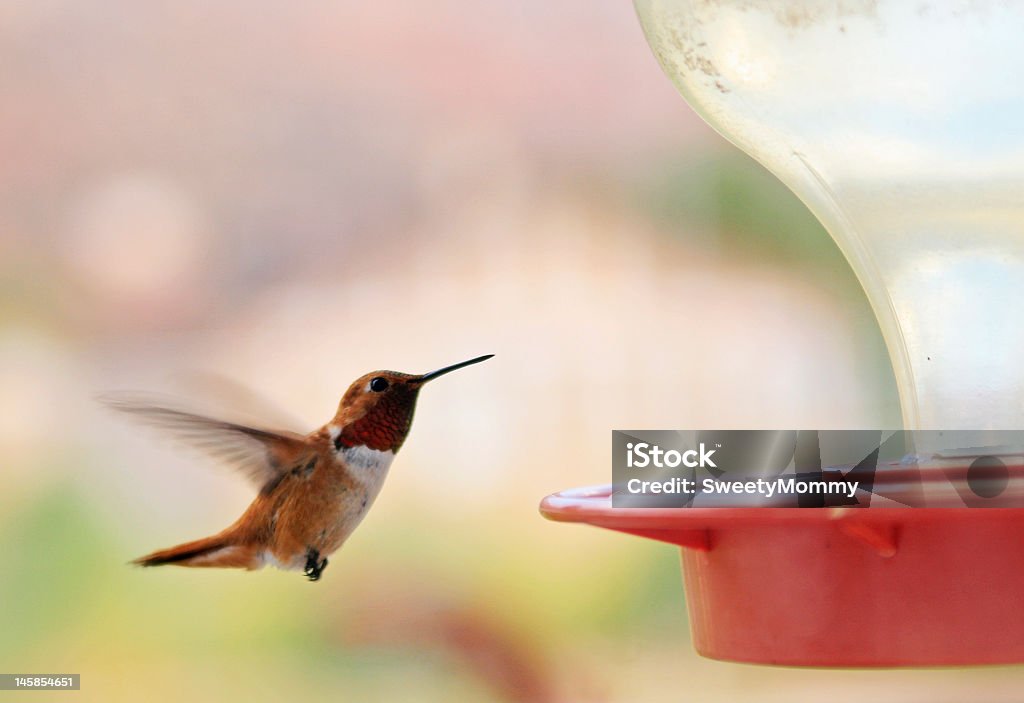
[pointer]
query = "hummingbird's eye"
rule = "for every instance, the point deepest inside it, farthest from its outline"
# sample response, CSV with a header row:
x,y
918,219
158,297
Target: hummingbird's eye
x,y
379,384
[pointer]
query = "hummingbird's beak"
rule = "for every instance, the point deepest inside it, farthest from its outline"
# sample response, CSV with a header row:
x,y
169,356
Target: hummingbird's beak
x,y
448,369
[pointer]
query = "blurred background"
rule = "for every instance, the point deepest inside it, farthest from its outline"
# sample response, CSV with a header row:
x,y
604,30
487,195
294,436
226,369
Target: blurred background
x,y
292,194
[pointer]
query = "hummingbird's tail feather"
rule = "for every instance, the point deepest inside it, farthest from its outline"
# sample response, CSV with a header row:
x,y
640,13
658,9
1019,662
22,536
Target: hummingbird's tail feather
x,y
220,550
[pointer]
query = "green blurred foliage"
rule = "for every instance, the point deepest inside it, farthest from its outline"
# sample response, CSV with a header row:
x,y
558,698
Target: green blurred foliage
x,y
744,211
54,552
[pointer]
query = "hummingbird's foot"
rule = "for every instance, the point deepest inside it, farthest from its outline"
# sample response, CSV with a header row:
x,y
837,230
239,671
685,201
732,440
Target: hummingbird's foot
x,y
314,564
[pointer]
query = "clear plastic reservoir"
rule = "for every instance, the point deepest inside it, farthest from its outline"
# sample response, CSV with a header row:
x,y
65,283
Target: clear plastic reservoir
x,y
901,125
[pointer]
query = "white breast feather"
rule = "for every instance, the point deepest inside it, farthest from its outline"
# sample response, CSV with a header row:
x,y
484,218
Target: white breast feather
x,y
369,468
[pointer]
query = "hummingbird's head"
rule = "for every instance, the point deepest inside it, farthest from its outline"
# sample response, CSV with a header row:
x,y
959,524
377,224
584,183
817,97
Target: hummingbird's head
x,y
376,410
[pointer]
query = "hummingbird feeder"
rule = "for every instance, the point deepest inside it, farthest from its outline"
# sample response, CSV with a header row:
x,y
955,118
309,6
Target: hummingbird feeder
x,y
901,126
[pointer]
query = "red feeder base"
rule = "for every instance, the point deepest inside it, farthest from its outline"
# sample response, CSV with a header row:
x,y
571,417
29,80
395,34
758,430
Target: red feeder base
x,y
838,587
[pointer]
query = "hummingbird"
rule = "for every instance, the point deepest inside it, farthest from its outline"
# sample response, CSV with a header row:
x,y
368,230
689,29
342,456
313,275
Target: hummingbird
x,y
314,489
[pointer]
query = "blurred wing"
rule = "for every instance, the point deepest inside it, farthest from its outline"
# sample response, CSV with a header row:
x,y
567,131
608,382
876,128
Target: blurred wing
x,y
262,455
229,393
